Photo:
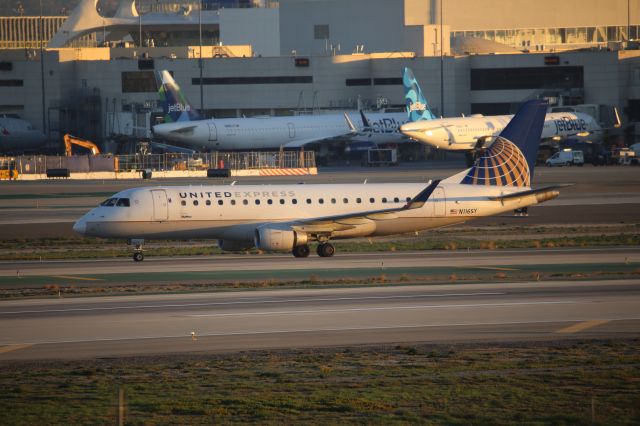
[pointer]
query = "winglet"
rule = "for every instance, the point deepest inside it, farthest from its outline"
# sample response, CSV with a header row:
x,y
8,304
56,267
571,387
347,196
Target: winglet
x,y
350,125
419,200
365,121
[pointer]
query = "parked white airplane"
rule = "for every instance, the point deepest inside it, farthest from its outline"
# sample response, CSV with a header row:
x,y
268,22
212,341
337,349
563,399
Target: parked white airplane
x,y
288,217
477,131
183,125
17,135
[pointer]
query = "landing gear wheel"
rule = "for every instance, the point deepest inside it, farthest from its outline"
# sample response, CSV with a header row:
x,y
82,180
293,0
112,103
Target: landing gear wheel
x,y
326,250
138,256
301,251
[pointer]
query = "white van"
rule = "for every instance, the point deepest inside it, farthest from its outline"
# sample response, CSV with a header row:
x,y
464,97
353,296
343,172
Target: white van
x,y
566,158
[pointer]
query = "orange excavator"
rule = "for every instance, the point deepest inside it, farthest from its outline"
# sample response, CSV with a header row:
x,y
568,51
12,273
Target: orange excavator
x,y
70,140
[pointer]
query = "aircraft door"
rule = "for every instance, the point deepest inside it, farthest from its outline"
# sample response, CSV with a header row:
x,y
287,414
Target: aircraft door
x,y
439,202
292,130
213,132
160,205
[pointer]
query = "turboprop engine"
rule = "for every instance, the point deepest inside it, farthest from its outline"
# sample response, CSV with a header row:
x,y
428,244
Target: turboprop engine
x,y
273,238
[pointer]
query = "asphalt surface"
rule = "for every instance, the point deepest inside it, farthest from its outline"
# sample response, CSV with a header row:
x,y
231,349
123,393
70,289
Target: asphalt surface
x,y
144,325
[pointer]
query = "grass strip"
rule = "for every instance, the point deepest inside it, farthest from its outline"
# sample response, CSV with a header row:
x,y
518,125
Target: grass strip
x,y
91,248
572,382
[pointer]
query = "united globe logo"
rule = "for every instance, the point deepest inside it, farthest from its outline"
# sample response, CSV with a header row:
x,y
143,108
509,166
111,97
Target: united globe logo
x,y
502,164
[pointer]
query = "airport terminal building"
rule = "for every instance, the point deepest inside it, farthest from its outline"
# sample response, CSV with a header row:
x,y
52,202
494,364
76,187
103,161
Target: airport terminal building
x,y
302,56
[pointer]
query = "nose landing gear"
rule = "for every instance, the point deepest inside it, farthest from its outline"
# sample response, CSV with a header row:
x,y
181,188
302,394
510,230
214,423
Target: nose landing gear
x,y
138,256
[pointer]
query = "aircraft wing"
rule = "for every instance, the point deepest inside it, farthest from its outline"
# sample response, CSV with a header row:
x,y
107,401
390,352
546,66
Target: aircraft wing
x,y
351,129
329,224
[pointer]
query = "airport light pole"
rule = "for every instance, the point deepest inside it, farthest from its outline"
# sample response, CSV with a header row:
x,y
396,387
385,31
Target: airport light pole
x,y
41,36
200,60
441,66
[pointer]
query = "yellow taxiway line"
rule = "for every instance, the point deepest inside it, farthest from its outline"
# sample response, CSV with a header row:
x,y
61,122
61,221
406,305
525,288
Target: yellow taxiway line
x,y
581,326
69,277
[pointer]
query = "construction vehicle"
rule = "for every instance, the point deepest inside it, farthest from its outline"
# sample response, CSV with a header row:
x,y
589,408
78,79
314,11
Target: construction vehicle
x,y
70,140
8,169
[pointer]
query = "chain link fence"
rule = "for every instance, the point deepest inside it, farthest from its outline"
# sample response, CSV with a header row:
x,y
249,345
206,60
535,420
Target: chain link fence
x,y
39,164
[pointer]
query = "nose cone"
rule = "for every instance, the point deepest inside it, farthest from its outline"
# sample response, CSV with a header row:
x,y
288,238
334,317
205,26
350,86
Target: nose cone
x,y
80,226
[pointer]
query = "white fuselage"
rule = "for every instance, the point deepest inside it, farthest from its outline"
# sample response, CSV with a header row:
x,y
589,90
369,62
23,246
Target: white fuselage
x,y
18,135
233,213
276,132
463,133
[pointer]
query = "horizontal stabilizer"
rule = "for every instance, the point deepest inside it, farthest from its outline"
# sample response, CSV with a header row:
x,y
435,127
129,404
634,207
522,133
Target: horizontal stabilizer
x,y
521,194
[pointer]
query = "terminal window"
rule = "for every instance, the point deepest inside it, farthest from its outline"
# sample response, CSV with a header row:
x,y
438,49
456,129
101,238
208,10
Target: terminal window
x,y
12,83
138,82
561,77
321,32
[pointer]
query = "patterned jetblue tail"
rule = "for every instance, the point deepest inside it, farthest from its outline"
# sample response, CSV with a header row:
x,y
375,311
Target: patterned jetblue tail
x,y
417,107
510,160
174,105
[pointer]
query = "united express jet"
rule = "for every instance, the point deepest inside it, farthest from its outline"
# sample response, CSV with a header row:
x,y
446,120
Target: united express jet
x,y
289,217
477,131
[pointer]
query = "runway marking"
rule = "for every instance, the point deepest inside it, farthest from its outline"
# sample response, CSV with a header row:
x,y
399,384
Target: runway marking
x,y
69,277
494,268
581,326
383,308
16,347
249,301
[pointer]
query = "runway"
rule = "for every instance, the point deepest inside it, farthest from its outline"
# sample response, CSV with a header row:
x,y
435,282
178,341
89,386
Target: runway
x,y
232,321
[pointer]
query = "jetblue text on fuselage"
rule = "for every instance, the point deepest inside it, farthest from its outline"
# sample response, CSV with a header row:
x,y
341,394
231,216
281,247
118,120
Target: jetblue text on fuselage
x,y
386,125
565,124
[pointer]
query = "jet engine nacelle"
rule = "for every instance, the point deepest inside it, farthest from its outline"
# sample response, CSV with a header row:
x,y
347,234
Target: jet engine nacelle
x,y
234,245
271,238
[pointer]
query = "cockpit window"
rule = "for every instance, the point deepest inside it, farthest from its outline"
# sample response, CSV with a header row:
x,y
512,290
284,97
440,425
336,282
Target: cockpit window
x,y
110,202
123,202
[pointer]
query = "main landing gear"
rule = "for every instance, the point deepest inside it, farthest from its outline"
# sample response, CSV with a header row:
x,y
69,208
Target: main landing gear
x,y
324,250
138,256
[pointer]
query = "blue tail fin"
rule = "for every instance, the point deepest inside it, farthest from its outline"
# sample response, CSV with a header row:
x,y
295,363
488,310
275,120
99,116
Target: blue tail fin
x,y
417,107
174,105
510,160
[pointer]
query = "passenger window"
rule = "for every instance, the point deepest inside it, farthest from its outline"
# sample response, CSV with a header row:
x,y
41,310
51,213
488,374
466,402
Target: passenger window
x,y
384,199
233,202
110,202
358,200
208,202
269,201
345,200
396,200
245,202
123,202
281,200
195,202
320,200
220,202
308,200
408,199
333,201
372,200
257,202
183,203
294,201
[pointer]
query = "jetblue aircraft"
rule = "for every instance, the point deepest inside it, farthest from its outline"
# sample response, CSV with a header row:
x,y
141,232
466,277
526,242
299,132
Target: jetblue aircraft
x,y
288,217
183,125
17,135
477,131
